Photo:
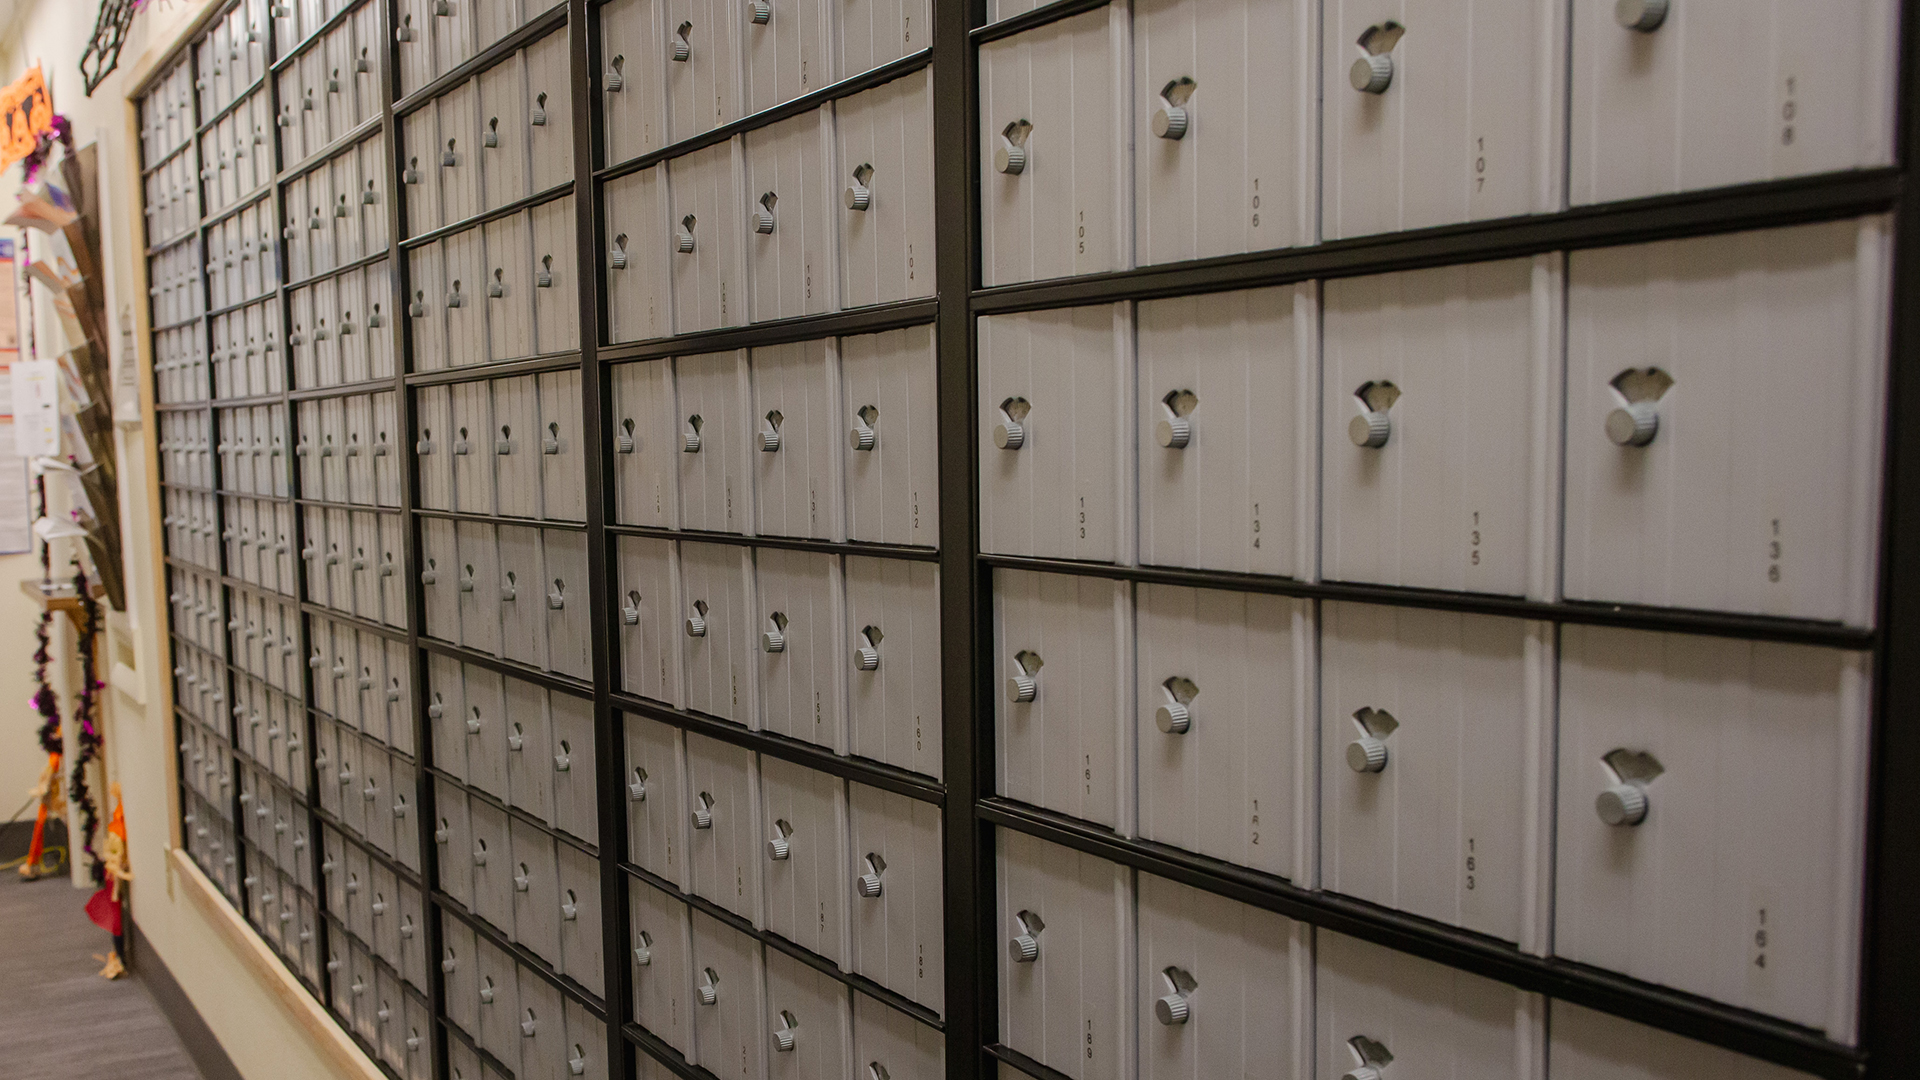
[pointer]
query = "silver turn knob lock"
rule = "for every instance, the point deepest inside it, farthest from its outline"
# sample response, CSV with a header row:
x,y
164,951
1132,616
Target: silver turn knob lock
x,y
1022,688
1173,433
1372,73
1010,157
1633,424
1637,420
784,1035
1644,16
1370,429
1170,120
1622,804
859,196
869,882
1174,1007
760,12
1011,432
1366,754
863,436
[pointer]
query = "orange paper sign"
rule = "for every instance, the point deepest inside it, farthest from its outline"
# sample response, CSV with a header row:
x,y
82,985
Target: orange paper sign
x,y
26,111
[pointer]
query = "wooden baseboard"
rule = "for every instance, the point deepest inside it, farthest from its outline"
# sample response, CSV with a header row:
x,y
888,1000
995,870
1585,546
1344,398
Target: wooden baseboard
x,y
349,1061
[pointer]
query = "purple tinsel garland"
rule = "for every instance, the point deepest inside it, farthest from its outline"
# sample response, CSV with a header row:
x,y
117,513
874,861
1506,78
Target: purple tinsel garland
x,y
86,731
44,702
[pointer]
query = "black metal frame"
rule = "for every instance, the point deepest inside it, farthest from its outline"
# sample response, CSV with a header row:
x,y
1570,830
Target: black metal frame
x,y
1890,979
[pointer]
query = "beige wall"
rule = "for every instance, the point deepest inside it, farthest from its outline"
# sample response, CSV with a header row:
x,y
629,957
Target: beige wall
x,y
265,1031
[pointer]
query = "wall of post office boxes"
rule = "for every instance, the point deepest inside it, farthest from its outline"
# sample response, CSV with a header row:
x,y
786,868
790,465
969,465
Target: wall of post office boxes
x,y
1422,606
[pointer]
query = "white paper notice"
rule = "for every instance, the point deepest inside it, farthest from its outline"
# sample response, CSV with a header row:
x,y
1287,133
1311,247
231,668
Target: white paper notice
x,y
16,516
36,409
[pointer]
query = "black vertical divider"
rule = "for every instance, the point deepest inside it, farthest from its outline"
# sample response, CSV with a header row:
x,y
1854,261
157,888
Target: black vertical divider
x,y
310,723
400,329
235,809
583,46
1890,950
965,628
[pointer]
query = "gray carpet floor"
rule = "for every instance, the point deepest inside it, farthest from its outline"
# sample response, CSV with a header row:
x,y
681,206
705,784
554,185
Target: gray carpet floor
x,y
59,1020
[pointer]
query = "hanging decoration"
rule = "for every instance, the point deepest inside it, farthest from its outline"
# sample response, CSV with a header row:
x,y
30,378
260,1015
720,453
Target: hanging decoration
x,y
85,730
109,33
36,158
45,702
26,116
53,803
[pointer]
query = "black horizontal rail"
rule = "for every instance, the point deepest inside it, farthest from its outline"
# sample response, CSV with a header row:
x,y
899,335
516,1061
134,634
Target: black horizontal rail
x,y
223,405
358,508
505,210
192,141
261,297
551,19
391,633
786,110
241,202
178,563
239,98
387,862
360,263
324,156
503,369
893,999
787,543
512,811
551,680
1671,1010
819,758
487,1060
1040,16
1007,1055
342,390
666,1056
526,957
868,320
312,38
497,519
1626,616
1770,204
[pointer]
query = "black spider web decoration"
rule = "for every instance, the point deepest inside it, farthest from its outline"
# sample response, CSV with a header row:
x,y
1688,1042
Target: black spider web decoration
x,y
109,33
